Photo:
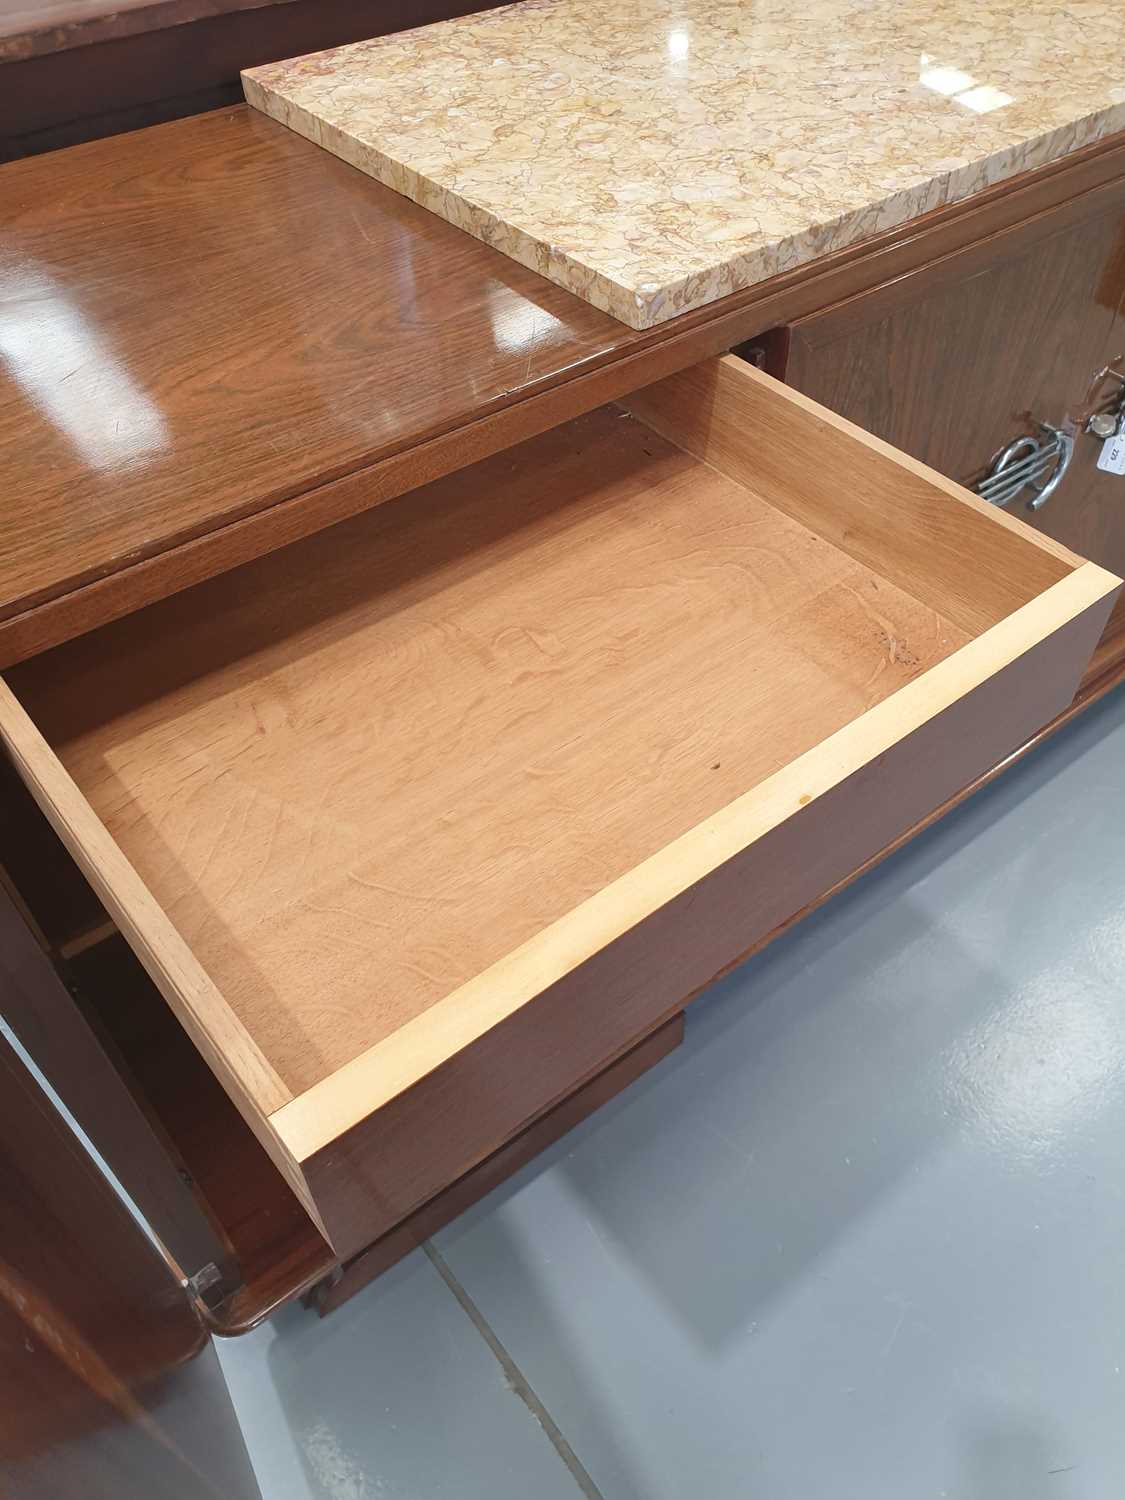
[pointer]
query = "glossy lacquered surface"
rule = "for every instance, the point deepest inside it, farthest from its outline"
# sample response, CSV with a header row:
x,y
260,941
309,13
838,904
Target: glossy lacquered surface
x,y
108,1384
954,361
212,315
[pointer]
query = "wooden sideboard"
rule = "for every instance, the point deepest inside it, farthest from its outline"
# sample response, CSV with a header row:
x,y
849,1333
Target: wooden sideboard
x,y
226,352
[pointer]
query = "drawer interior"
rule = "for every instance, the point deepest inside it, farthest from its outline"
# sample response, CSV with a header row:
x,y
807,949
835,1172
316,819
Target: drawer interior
x,y
375,776
359,772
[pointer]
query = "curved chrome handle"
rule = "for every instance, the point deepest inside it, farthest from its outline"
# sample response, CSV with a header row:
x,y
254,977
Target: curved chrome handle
x,y
1019,447
1038,463
1043,492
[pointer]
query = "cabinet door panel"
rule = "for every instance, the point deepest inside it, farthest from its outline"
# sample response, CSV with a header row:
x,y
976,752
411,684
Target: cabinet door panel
x,y
952,362
110,1388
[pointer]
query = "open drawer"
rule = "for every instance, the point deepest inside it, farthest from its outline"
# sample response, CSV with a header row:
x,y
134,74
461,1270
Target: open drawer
x,y
421,821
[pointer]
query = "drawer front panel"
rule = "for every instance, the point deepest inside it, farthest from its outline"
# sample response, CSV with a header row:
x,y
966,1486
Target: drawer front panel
x,y
375,1174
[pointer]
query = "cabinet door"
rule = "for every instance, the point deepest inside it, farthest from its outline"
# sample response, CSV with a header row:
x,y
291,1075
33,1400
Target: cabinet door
x,y
110,1388
954,360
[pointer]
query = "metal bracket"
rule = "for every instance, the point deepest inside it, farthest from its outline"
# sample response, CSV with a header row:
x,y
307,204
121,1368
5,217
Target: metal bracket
x,y
207,1285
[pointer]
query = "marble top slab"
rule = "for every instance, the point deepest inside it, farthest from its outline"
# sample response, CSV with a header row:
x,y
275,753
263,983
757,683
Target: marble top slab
x,y
654,155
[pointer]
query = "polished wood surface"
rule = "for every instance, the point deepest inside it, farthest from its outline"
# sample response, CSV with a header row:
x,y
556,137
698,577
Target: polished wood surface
x,y
221,316
1088,510
585,634
189,370
109,1387
954,360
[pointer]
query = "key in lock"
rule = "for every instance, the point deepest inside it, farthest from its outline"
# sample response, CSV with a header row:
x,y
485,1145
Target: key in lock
x,y
1107,419
1106,424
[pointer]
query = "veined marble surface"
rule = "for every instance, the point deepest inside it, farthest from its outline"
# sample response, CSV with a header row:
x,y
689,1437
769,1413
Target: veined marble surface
x,y
654,155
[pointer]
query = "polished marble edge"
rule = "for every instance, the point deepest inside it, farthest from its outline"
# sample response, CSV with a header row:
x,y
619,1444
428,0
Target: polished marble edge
x,y
696,289
636,276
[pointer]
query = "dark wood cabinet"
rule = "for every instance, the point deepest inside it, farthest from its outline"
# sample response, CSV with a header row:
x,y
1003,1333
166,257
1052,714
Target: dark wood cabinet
x,y
110,1388
953,360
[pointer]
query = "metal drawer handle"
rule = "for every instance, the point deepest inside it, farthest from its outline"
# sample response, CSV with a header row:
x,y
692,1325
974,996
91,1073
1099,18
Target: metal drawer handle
x,y
1038,463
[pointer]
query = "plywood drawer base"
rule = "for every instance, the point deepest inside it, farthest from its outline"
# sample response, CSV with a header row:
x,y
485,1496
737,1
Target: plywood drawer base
x,y
420,822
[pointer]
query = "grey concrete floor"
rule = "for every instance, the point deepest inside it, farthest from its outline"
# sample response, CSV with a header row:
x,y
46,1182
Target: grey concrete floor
x,y
863,1235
